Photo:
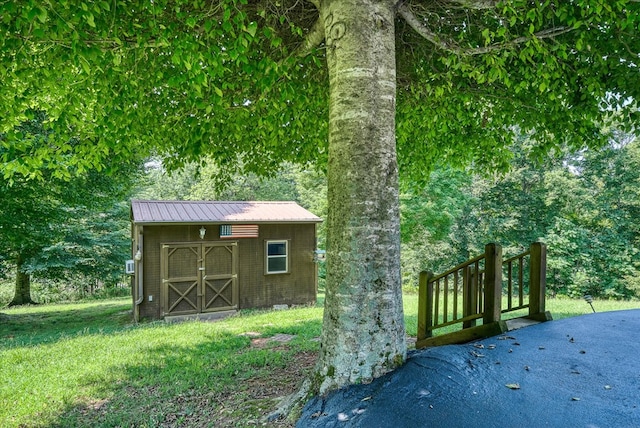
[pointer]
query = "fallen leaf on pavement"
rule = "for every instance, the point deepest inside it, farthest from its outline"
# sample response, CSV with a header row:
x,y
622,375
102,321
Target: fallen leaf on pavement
x,y
506,338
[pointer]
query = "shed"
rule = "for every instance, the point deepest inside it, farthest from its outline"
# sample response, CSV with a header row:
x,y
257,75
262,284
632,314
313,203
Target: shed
x,y
202,257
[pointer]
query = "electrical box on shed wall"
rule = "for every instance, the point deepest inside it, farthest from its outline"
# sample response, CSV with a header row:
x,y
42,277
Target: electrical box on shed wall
x,y
129,267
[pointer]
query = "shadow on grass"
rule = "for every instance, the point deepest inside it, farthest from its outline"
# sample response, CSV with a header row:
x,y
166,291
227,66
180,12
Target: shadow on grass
x,y
33,328
220,382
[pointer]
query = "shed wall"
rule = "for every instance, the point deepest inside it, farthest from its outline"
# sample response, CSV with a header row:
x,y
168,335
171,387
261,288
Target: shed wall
x,y
256,289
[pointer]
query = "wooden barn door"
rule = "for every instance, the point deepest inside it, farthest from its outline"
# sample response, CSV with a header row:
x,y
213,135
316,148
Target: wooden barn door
x,y
220,278
181,279
199,277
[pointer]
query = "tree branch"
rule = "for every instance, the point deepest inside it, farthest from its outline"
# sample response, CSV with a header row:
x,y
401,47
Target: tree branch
x,y
477,4
312,39
453,47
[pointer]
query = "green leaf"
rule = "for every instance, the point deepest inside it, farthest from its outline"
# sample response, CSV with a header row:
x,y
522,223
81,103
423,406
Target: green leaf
x,y
37,13
85,65
90,20
42,16
486,35
252,28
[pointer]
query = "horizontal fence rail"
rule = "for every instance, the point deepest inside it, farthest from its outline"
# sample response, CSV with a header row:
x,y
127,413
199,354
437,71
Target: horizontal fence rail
x,y
473,291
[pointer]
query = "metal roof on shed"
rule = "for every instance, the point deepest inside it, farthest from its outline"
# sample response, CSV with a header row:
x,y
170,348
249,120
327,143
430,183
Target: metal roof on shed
x,y
177,212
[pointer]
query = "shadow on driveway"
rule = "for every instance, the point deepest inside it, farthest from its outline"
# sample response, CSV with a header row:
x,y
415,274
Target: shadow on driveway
x,y
575,372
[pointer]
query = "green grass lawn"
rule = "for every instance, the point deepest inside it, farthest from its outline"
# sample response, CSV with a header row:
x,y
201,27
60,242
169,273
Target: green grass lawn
x,y
85,364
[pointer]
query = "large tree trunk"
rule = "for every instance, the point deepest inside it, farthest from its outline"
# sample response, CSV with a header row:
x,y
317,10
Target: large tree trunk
x,y
363,329
22,295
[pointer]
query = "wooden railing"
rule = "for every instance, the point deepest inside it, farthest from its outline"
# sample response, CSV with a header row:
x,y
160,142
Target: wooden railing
x,y
473,291
526,272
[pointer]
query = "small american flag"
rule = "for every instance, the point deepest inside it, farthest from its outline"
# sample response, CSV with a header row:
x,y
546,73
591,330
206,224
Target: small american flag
x,y
239,231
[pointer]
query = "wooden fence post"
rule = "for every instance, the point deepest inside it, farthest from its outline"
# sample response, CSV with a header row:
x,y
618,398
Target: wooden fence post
x,y
425,305
537,278
469,296
493,283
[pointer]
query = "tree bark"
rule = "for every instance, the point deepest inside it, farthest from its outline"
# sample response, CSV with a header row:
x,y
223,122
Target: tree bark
x,y
363,328
22,294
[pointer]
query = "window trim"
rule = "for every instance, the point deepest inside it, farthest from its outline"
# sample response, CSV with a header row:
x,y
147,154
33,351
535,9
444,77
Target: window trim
x,y
267,257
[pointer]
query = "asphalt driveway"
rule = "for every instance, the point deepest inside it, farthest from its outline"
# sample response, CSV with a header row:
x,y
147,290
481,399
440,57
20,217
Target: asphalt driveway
x,y
575,372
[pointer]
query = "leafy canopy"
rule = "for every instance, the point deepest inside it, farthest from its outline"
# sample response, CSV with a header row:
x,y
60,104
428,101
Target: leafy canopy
x,y
238,79
185,78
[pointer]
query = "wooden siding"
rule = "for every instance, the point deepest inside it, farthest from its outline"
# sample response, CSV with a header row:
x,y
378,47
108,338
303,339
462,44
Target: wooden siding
x,y
256,289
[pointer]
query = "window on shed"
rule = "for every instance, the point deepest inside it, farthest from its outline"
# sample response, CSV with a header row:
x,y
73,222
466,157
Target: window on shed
x,y
277,257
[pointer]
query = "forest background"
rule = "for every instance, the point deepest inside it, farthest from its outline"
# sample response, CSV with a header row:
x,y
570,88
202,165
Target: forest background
x,y
583,204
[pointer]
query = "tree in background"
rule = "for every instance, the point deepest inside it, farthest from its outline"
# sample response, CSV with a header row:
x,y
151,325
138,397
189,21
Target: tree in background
x,y
158,183
253,84
56,227
429,217
91,253
606,212
197,182
583,204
